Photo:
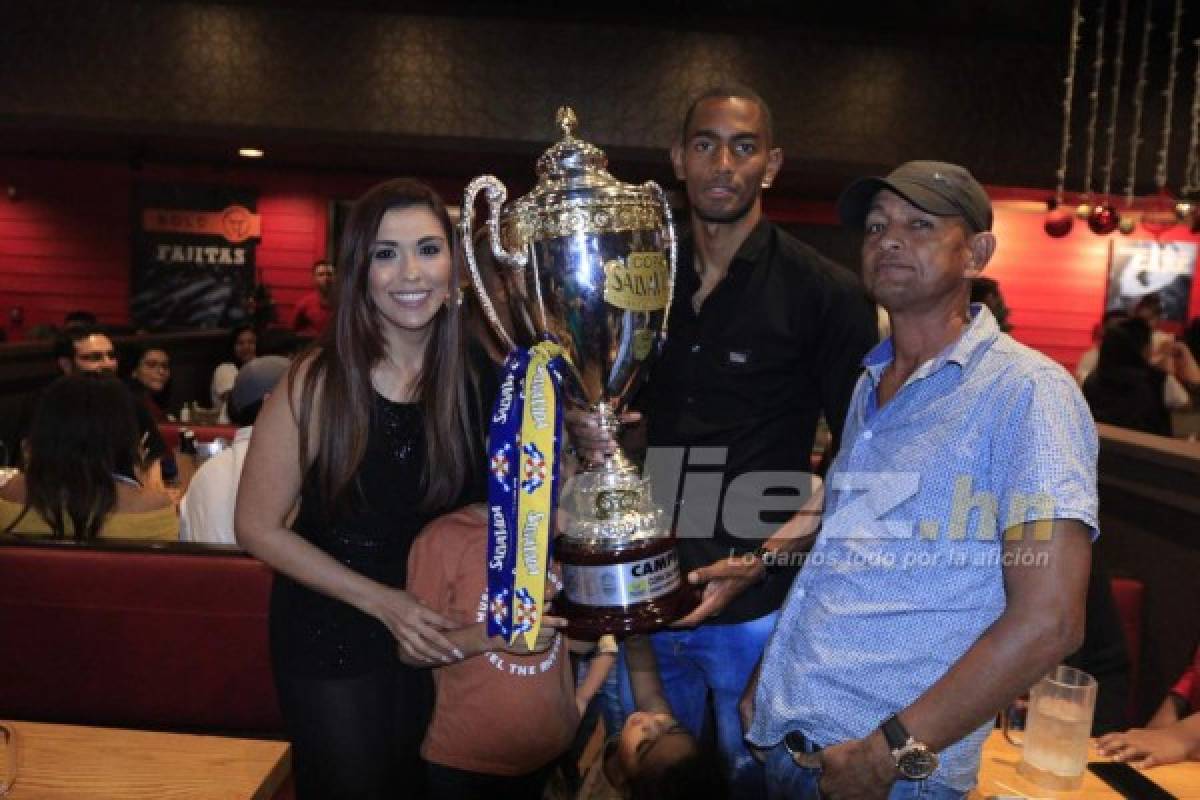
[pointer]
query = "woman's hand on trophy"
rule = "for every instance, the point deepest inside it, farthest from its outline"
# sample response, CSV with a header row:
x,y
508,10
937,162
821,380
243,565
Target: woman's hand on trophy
x,y
590,440
723,580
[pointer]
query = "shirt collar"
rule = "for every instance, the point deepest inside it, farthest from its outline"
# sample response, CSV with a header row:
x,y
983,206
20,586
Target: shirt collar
x,y
754,244
980,333
750,250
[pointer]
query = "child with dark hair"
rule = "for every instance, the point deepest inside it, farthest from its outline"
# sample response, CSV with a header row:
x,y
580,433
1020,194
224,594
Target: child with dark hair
x,y
653,756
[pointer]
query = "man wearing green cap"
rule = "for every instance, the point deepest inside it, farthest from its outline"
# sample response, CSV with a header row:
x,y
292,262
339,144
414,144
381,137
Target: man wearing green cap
x,y
951,569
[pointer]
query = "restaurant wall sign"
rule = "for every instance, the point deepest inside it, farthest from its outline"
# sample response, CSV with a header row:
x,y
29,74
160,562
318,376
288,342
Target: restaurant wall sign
x,y
193,255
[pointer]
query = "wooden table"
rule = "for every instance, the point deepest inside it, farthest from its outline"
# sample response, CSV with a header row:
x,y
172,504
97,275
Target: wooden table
x,y
70,761
998,776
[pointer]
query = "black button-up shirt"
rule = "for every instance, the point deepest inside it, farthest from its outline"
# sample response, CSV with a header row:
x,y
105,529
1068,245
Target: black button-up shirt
x,y
778,341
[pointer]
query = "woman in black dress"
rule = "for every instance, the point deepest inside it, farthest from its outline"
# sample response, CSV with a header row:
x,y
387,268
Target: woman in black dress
x,y
380,430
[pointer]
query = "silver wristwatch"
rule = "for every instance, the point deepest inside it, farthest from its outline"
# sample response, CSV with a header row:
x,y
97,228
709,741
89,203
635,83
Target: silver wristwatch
x,y
914,760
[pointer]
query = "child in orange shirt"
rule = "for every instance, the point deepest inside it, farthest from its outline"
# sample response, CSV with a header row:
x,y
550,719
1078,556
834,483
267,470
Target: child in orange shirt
x,y
503,713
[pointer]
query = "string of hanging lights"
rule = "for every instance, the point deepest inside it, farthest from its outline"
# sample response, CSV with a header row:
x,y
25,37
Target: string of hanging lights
x,y
1162,211
1162,214
1059,222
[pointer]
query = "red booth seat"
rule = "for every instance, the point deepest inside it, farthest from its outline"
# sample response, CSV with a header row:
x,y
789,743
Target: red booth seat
x,y
135,639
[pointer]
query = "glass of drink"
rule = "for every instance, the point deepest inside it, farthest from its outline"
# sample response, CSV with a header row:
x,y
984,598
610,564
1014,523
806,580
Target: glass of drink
x,y
1058,725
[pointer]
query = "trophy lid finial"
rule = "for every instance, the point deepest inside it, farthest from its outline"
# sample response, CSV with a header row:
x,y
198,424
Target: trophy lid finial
x,y
573,159
567,121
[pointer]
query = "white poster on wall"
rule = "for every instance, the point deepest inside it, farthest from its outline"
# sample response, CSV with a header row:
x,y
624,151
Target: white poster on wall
x,y
1137,268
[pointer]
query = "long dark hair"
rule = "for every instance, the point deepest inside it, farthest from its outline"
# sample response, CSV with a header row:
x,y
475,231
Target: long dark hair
x,y
339,367
83,433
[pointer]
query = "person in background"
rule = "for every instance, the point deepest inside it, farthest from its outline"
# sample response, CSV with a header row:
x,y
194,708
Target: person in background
x,y
504,712
82,348
150,380
83,461
1191,338
376,432
911,623
987,291
1087,362
653,756
1150,309
1104,653
314,310
206,513
80,318
243,346
1126,389
1171,356
1172,734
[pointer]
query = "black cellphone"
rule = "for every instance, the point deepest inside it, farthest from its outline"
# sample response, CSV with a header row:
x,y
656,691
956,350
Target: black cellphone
x,y
1128,781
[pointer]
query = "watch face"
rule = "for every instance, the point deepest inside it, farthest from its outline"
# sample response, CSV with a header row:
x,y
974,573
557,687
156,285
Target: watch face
x,y
917,763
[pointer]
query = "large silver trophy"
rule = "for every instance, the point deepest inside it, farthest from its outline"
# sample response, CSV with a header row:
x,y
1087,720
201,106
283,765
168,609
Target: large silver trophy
x,y
590,261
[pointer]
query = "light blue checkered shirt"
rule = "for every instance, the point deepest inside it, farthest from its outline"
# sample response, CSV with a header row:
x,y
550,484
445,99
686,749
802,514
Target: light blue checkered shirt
x,y
899,584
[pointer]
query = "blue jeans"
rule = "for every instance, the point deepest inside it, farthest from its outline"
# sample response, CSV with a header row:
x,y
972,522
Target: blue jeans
x,y
716,659
787,781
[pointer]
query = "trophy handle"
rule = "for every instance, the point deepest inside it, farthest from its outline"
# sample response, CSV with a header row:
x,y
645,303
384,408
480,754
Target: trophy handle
x,y
495,193
672,247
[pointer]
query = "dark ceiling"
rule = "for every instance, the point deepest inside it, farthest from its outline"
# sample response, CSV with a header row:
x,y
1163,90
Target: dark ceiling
x,y
1040,22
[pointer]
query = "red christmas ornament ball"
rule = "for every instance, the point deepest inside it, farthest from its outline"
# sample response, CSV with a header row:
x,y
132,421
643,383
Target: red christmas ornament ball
x,y
1103,220
1058,223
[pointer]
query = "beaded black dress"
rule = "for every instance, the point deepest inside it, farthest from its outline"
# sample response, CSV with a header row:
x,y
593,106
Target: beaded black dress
x,y
314,635
354,713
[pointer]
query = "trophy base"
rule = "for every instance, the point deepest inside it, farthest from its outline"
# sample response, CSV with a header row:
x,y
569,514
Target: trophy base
x,y
592,622
634,588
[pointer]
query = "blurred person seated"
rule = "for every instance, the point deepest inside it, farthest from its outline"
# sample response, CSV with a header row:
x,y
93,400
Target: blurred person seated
x,y
1191,338
1126,389
1087,362
314,310
243,347
1104,653
83,478
80,318
1172,734
653,756
88,349
1149,308
150,381
987,291
206,513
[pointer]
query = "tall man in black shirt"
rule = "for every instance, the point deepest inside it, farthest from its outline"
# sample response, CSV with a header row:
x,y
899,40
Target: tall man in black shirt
x,y
765,335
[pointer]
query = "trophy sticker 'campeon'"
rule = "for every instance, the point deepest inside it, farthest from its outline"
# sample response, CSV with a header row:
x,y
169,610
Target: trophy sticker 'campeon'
x,y
588,265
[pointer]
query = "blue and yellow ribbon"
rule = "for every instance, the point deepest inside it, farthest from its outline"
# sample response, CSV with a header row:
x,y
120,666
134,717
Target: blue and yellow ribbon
x,y
524,449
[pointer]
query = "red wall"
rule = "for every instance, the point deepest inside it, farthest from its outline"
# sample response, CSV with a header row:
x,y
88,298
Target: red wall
x,y
65,244
65,238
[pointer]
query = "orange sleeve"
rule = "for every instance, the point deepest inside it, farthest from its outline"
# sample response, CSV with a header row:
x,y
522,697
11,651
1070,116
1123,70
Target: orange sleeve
x,y
427,568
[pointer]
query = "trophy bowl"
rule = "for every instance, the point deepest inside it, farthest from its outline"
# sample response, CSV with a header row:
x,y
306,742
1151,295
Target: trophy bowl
x,y
589,262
